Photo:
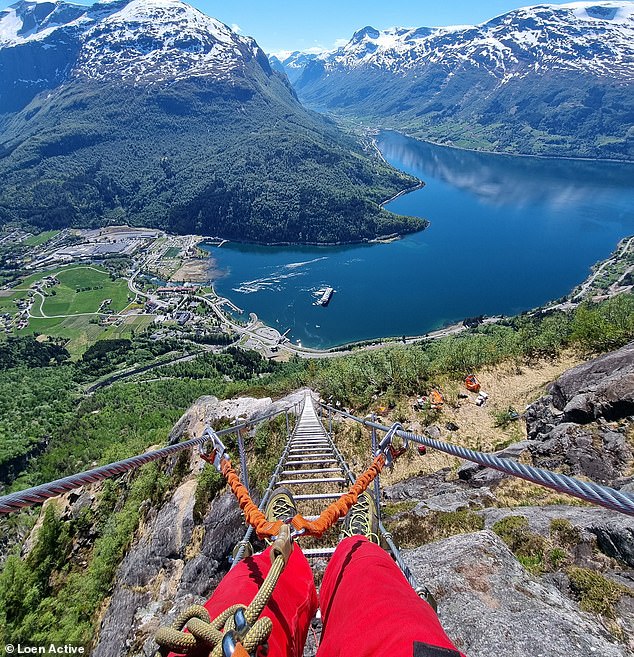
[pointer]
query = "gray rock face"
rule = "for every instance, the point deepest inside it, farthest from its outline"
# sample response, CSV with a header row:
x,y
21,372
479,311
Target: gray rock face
x,y
581,424
615,537
478,475
594,451
433,493
613,532
603,387
490,605
172,565
208,409
176,561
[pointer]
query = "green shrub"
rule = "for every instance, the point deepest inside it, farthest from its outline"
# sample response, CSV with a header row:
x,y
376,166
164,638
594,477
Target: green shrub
x,y
564,532
595,592
209,483
411,531
527,546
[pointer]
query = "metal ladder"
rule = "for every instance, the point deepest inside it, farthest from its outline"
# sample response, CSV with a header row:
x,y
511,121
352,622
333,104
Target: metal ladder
x,y
313,470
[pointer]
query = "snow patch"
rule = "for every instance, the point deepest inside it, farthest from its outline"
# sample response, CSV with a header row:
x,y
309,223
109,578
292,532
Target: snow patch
x,y
10,25
595,37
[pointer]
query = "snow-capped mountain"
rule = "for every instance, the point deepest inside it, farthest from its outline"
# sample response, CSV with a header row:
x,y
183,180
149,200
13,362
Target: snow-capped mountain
x,y
554,79
143,41
582,36
291,63
152,113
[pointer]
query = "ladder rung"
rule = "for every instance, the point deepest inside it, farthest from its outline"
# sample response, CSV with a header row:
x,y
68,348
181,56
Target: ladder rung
x,y
318,496
301,448
319,552
309,441
313,518
331,480
309,462
314,471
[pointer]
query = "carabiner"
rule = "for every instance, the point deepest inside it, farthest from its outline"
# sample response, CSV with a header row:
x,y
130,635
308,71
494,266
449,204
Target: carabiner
x,y
212,451
387,449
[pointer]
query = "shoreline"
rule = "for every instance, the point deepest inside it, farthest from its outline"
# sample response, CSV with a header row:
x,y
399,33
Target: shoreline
x,y
379,239
376,131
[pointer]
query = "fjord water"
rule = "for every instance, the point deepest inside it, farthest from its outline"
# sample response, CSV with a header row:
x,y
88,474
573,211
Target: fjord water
x,y
507,234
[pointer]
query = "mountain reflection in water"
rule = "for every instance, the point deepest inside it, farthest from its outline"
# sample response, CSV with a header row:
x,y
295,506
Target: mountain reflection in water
x,y
500,180
507,234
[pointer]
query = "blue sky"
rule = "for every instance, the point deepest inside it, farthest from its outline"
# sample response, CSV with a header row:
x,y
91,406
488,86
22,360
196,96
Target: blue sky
x,y
302,25
295,25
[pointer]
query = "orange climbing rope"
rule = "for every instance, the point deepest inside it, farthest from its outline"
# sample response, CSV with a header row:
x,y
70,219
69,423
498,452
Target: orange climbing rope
x,y
266,529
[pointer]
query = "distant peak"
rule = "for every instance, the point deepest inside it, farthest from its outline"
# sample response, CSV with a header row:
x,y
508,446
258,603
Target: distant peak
x,y
368,31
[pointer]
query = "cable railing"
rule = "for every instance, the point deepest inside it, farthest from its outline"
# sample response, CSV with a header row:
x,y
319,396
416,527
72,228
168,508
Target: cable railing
x,y
588,491
39,494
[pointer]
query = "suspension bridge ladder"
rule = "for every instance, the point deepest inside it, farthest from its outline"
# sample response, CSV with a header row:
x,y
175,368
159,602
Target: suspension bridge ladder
x,y
316,473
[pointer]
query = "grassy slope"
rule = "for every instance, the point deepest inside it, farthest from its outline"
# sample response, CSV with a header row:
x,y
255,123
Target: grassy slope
x,y
560,114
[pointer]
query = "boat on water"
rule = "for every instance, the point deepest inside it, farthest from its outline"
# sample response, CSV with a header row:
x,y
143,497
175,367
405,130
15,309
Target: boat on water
x,y
325,297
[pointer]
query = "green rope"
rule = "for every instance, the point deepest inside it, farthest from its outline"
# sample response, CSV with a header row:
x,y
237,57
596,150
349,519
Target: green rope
x,y
209,634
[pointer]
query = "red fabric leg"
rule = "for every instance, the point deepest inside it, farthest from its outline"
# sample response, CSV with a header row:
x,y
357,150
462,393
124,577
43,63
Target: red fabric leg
x,y
291,607
369,609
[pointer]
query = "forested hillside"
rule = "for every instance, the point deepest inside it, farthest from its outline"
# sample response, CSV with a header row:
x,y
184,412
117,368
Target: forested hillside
x,y
205,139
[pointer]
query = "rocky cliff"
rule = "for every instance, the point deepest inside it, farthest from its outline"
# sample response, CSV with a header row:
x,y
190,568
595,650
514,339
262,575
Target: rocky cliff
x,y
584,424
580,557
490,605
510,577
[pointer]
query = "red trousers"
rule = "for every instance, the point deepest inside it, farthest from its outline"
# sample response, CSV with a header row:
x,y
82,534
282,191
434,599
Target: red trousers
x,y
368,609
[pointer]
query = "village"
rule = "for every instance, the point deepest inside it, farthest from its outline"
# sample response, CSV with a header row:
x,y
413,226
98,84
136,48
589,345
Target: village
x,y
83,285
89,284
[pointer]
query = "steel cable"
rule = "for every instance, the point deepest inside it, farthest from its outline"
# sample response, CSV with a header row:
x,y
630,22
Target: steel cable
x,y
589,491
38,494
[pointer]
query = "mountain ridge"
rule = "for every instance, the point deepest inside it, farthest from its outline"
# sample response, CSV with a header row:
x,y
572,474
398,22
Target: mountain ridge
x,y
546,79
148,112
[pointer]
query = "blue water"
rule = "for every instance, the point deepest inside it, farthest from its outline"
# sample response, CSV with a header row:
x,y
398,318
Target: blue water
x,y
507,234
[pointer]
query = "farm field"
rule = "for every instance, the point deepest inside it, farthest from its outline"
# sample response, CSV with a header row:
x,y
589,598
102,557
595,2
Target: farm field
x,y
81,332
41,238
70,310
81,290
172,252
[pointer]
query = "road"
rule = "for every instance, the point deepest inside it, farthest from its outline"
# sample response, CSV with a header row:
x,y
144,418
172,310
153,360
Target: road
x,y
118,376
571,304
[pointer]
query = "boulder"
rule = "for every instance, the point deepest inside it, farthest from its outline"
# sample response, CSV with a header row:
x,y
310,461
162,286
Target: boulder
x,y
581,425
603,387
615,537
490,605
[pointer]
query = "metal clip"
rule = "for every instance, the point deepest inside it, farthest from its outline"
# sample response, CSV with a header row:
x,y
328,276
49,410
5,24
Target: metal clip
x,y
229,643
213,450
387,449
231,638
